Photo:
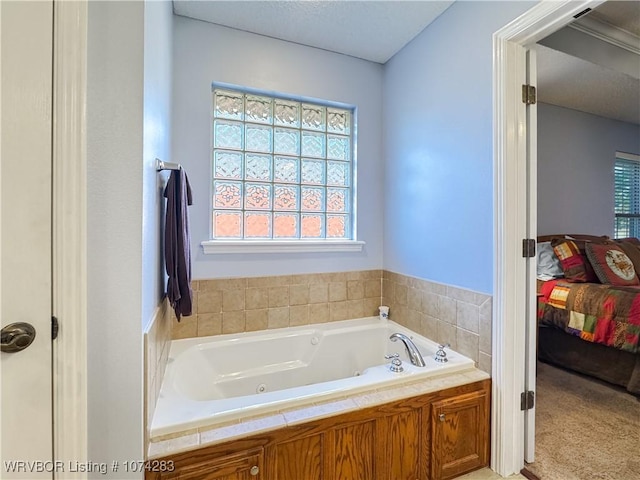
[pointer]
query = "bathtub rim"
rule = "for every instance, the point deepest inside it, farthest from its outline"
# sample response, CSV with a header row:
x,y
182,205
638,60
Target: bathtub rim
x,y
195,439
411,375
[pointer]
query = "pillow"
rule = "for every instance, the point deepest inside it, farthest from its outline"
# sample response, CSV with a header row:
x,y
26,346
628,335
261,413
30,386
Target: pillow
x,y
575,265
611,264
633,252
548,265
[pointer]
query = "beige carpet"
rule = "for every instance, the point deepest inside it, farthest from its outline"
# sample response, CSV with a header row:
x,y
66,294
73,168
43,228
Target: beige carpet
x,y
585,429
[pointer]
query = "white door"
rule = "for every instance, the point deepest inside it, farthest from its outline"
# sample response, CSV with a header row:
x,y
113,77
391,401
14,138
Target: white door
x,y
532,228
25,237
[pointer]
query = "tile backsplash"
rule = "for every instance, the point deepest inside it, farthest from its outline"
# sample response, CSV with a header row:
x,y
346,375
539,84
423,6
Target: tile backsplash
x,y
157,340
446,314
441,312
237,305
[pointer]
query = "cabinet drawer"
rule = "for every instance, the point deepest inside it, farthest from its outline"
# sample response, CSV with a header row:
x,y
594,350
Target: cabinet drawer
x,y
246,465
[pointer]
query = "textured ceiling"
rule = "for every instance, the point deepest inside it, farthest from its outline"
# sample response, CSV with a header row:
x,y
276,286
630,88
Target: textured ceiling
x,y
624,15
376,29
371,30
574,83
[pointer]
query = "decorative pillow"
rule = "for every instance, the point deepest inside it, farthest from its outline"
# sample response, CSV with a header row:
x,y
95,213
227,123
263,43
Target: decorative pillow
x,y
633,252
548,265
611,264
575,264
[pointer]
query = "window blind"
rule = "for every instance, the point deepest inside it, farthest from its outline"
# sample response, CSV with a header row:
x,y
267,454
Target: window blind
x,y
627,195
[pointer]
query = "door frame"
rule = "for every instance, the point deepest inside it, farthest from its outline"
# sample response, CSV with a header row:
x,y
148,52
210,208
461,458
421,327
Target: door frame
x,y
510,213
70,226
70,426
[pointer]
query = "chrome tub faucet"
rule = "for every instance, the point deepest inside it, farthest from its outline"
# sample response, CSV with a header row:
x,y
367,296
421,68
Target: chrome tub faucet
x,y
414,354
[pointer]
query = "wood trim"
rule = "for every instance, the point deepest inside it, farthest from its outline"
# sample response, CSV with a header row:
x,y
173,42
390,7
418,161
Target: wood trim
x,y
69,232
526,473
425,458
330,455
509,125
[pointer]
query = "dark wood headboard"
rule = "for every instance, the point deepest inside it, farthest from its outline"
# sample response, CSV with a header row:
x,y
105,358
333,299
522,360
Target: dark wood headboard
x,y
577,236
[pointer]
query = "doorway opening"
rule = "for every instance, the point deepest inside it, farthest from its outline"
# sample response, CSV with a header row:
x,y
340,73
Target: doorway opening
x,y
513,429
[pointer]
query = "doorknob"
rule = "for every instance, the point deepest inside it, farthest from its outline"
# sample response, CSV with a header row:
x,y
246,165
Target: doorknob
x,y
16,337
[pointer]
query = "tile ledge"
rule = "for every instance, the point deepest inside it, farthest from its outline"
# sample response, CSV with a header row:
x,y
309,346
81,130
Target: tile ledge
x,y
180,443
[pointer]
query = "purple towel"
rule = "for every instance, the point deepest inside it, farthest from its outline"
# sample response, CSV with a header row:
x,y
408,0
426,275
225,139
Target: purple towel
x,y
177,243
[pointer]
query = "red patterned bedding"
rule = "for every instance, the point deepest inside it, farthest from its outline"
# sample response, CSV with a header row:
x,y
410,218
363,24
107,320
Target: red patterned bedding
x,y
594,312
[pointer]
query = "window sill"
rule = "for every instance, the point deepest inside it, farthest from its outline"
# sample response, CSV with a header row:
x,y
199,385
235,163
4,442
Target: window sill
x,y
280,246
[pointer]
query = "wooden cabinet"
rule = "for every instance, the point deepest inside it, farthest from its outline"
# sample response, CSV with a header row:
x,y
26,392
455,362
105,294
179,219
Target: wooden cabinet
x,y
460,431
400,445
300,458
243,465
434,436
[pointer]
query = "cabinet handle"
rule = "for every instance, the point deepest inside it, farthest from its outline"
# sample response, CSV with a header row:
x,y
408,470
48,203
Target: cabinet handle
x,y
441,417
254,470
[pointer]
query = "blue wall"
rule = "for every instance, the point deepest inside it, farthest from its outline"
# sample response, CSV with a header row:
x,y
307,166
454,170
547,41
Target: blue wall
x,y
115,54
204,53
438,148
576,155
158,45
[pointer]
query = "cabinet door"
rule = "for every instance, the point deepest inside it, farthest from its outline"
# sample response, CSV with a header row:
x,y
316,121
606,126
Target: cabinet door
x,y
247,465
355,447
399,445
460,435
299,459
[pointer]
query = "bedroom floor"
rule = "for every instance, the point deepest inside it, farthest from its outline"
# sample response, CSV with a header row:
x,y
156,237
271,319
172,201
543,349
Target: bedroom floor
x,y
585,429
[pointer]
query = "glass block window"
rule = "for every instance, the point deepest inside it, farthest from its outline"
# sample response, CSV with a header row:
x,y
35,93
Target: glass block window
x,y
627,195
282,169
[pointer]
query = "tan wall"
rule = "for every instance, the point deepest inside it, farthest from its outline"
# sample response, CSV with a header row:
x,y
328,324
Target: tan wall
x,y
157,340
442,313
247,304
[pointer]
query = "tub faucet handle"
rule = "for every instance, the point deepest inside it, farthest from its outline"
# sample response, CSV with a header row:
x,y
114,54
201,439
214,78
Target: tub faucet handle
x,y
396,363
441,355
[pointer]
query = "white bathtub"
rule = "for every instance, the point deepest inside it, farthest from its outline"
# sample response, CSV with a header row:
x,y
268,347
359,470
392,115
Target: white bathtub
x,y
216,379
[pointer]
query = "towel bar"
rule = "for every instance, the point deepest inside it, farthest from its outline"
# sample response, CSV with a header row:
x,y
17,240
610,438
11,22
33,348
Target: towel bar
x,y
160,165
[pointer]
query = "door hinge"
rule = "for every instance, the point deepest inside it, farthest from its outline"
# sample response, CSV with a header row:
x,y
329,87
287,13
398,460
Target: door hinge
x,y
528,247
528,94
527,400
54,328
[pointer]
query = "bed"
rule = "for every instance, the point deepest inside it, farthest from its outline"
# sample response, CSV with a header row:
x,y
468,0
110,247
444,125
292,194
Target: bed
x,y
583,324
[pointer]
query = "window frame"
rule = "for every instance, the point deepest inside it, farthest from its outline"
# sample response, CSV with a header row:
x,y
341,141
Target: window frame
x,y
625,157
273,245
